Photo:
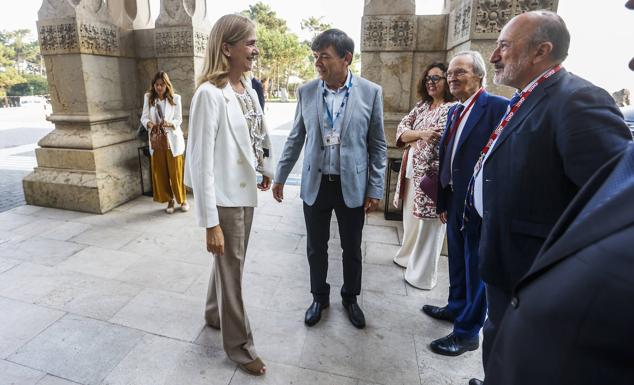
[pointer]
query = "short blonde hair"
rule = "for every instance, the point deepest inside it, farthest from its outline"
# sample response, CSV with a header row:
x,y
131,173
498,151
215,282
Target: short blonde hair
x,y
228,29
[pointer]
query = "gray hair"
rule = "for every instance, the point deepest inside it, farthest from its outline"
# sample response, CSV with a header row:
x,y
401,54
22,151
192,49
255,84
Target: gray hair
x,y
551,28
479,68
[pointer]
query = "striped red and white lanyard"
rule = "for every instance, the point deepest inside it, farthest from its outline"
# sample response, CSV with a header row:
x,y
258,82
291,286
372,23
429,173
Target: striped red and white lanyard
x,y
509,115
454,126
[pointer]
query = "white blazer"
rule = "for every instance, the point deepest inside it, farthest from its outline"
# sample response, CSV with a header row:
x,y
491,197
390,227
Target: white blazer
x,y
220,163
172,114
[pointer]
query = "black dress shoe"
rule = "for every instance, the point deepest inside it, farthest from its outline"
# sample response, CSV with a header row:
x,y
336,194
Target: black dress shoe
x,y
355,314
441,313
475,381
313,314
452,345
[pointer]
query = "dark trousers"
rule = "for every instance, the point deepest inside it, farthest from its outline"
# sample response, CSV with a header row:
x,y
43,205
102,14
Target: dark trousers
x,y
498,299
469,322
350,222
467,299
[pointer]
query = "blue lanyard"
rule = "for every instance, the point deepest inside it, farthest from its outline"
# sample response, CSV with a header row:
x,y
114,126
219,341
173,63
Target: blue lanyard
x,y
332,120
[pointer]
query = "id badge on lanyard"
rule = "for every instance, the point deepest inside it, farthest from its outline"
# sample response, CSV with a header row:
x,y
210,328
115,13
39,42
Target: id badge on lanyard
x,y
331,139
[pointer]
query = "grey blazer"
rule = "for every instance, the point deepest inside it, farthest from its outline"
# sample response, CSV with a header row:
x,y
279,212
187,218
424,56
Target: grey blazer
x,y
363,150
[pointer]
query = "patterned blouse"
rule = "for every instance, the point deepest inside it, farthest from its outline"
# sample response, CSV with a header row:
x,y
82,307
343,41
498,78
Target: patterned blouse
x,y
256,128
424,154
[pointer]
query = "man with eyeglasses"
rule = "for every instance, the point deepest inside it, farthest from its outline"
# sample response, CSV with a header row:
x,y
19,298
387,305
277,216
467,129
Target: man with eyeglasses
x,y
468,127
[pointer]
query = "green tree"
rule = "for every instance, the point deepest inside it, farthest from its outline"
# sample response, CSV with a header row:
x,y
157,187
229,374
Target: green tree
x,y
31,85
314,26
281,52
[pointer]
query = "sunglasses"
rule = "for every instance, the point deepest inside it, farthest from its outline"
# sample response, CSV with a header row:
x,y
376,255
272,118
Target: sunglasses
x,y
434,78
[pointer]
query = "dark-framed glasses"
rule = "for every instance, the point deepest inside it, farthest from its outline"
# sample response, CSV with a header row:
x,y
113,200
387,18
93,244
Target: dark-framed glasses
x,y
433,78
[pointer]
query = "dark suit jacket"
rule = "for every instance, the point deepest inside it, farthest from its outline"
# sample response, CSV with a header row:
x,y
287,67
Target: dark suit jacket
x,y
257,86
484,117
564,131
573,316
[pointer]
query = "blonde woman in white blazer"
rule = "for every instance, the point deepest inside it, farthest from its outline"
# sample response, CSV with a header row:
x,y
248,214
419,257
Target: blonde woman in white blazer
x,y
227,146
162,116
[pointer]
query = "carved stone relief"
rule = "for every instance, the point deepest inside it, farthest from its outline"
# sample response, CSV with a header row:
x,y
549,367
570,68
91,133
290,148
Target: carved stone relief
x,y
94,38
459,24
388,33
533,5
491,15
180,42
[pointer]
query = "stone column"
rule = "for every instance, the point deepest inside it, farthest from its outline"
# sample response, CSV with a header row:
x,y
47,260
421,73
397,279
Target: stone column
x,y
89,162
476,25
180,42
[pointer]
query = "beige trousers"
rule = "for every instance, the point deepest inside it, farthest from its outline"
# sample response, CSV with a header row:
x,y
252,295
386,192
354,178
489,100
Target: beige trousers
x,y
167,177
225,308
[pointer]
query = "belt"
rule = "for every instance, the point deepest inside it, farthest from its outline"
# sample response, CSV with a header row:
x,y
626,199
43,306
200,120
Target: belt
x,y
331,177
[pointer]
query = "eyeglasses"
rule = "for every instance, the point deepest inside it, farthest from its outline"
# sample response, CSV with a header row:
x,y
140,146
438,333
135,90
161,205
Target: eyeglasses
x,y
434,79
456,74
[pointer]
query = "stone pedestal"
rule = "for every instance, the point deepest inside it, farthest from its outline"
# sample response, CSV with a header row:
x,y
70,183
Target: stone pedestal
x,y
98,69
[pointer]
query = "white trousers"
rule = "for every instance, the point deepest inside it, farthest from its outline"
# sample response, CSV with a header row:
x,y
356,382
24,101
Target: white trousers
x,y
422,244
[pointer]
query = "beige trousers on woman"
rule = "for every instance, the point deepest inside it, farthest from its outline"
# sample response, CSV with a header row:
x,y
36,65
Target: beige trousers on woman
x,y
225,308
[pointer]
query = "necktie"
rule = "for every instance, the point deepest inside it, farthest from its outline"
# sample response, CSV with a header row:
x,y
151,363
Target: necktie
x,y
445,173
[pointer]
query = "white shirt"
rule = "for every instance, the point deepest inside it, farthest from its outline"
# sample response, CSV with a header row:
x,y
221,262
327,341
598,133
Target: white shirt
x,y
477,187
466,112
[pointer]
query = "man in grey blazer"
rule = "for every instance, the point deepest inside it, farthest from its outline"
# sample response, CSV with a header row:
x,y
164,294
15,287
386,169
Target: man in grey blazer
x,y
339,117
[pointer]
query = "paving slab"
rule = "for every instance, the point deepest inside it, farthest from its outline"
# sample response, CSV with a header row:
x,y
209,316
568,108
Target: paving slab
x,y
80,349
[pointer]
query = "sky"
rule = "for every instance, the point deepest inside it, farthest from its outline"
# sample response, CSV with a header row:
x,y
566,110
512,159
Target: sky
x,y
600,50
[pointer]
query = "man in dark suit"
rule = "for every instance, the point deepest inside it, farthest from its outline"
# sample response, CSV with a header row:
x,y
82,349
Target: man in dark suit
x,y
469,126
570,319
257,86
561,130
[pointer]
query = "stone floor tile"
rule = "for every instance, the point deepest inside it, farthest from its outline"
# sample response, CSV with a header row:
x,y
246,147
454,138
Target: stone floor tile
x,y
437,369
44,251
370,354
90,296
169,246
28,282
54,380
6,264
65,231
163,313
380,253
279,374
278,337
259,289
10,221
106,237
14,374
19,322
80,349
114,219
401,314
161,273
26,210
60,214
100,262
273,240
198,289
159,360
37,227
278,264
383,234
388,279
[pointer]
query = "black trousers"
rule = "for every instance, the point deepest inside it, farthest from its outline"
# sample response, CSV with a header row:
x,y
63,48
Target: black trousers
x,y
350,222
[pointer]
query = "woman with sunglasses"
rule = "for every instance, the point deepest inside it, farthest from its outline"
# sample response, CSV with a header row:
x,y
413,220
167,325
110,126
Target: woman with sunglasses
x,y
419,132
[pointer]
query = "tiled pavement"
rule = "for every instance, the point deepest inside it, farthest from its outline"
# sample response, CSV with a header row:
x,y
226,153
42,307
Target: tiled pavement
x,y
118,299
